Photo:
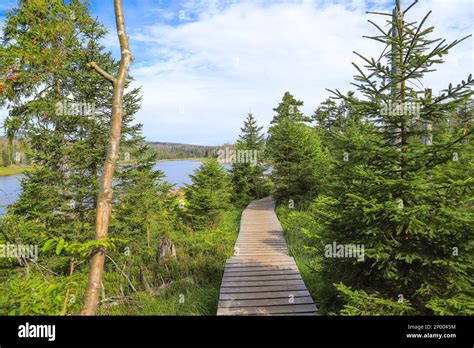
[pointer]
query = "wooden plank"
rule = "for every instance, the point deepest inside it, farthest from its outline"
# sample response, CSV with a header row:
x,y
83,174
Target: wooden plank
x,y
282,268
277,250
241,262
295,314
277,259
258,255
241,278
261,263
265,302
274,264
254,289
254,283
294,308
261,273
263,295
261,244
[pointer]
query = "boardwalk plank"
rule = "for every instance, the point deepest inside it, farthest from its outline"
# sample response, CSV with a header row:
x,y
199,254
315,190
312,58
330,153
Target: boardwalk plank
x,y
292,308
263,295
260,273
265,302
228,284
240,278
244,289
261,278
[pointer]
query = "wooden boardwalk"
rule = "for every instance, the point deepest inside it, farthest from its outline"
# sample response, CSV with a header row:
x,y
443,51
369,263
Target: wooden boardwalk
x,y
261,278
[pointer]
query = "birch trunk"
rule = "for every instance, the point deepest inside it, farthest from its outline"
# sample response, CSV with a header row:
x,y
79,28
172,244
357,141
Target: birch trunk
x,y
104,200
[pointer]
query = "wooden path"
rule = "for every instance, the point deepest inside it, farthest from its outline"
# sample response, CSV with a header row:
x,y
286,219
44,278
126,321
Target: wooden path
x,y
261,278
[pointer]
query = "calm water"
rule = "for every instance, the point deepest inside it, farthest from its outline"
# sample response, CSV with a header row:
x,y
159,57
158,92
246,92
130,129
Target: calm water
x,y
177,173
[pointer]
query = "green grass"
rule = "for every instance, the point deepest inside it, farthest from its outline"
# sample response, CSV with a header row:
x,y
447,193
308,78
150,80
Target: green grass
x,y
5,171
195,276
294,223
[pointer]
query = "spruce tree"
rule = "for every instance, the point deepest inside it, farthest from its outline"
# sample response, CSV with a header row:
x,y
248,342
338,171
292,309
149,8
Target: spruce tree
x,y
145,211
208,195
300,164
289,109
247,175
400,188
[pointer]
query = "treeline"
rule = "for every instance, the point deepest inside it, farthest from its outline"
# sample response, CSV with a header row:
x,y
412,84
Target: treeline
x,y
182,151
16,151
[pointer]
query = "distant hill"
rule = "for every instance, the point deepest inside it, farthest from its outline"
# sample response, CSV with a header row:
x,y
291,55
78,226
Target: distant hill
x,y
165,150
181,151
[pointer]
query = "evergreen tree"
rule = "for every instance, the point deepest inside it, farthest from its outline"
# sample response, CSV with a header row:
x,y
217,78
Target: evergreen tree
x,y
400,189
208,195
145,212
294,149
289,109
247,175
251,134
144,209
334,117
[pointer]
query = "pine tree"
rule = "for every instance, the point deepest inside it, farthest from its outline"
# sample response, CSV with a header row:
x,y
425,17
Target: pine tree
x,y
145,204
247,176
400,189
289,108
251,134
208,195
300,164
145,212
334,117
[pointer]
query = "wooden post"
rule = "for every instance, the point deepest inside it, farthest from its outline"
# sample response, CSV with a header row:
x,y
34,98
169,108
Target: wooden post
x,y
104,200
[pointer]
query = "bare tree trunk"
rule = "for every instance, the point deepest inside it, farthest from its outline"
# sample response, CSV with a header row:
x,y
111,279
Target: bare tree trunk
x,y
397,16
104,201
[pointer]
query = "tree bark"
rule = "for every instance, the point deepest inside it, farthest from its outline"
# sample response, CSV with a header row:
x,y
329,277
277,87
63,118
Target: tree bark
x,y
104,201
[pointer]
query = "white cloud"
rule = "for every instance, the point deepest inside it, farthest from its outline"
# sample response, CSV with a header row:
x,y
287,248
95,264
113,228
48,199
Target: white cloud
x,y
200,76
208,73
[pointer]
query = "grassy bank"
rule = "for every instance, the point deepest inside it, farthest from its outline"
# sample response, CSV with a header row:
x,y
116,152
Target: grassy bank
x,y
194,279
294,224
5,171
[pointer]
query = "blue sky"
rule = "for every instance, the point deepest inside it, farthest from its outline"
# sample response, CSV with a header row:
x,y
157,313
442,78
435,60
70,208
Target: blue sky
x,y
204,64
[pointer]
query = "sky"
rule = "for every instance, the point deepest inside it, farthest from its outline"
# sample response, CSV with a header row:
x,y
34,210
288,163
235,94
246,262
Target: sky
x,y
204,64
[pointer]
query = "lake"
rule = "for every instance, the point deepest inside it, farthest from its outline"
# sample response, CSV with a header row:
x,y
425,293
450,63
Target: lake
x,y
177,173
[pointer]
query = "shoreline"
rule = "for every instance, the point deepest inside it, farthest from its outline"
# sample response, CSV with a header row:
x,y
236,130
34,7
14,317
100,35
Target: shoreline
x,y
194,159
10,171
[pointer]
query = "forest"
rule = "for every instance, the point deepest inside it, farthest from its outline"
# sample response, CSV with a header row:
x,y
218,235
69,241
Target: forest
x,y
182,151
15,152
387,167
